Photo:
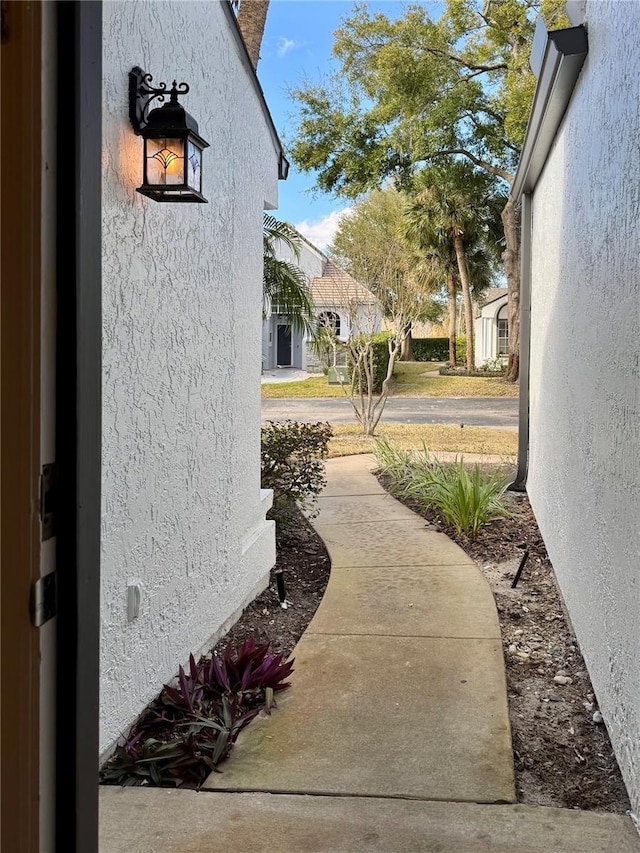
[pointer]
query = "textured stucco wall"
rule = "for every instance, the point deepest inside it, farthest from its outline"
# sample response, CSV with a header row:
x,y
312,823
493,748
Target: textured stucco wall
x,y
584,479
183,513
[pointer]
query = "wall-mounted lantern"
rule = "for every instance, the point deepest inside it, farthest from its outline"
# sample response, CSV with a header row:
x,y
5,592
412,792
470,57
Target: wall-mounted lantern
x,y
172,153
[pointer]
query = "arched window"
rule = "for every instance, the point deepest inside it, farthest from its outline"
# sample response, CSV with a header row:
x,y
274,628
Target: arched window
x,y
330,320
503,332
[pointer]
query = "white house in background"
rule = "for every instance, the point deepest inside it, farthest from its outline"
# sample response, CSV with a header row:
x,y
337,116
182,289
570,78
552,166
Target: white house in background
x,y
491,329
338,301
183,514
578,182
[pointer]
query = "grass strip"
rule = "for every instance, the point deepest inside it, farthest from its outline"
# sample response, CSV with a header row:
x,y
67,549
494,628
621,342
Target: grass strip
x,y
408,381
348,440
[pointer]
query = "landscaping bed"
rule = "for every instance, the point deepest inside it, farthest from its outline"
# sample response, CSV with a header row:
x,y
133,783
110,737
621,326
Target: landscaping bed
x,y
462,371
562,757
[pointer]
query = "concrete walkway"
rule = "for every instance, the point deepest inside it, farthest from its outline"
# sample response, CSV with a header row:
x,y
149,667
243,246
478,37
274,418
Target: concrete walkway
x,y
395,734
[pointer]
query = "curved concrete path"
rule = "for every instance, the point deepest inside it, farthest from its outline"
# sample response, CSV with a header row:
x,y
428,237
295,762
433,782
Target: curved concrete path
x,y
395,735
399,686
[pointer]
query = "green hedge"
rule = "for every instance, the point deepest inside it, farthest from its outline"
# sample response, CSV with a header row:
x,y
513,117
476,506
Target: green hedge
x,y
461,348
430,349
437,349
380,359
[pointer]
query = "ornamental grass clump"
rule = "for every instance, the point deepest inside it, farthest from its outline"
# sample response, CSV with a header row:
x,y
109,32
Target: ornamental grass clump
x,y
393,461
191,727
467,499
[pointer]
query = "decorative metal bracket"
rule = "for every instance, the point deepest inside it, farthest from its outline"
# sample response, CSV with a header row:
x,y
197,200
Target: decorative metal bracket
x,y
141,94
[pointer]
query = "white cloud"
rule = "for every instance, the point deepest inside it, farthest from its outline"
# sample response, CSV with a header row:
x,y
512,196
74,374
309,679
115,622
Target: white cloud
x,y
321,232
285,45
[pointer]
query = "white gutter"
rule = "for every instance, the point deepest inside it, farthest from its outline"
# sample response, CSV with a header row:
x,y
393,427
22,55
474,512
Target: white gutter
x,y
556,58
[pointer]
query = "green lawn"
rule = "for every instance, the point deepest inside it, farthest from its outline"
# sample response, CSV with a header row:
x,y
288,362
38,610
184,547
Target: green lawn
x,y
408,381
348,439
316,386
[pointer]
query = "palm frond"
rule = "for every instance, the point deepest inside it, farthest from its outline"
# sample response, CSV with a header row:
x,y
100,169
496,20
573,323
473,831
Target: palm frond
x,y
285,289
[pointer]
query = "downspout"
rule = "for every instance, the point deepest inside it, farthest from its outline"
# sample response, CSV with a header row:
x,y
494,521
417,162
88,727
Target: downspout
x,y
556,60
520,478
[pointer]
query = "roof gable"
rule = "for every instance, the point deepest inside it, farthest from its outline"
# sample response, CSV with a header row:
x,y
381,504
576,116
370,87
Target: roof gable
x,y
337,287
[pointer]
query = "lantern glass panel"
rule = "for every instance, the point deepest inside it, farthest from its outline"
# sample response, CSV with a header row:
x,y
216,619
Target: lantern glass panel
x,y
165,161
194,167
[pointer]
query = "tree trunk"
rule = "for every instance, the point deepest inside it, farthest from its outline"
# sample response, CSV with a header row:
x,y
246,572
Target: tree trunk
x,y
252,17
511,260
451,290
466,296
406,352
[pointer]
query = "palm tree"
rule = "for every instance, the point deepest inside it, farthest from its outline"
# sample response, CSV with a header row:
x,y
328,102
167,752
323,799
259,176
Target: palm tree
x,y
451,217
252,16
284,285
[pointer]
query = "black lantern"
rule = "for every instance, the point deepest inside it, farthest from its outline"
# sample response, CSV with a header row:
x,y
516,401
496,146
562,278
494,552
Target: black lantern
x,y
172,158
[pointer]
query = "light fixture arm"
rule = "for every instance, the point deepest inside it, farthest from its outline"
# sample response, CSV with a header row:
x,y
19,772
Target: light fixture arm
x,y
141,95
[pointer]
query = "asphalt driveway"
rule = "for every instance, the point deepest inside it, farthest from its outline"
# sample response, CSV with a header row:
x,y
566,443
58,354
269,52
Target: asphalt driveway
x,y
496,412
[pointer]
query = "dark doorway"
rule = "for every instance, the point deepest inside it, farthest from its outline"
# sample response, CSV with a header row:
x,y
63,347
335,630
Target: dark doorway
x,y
284,345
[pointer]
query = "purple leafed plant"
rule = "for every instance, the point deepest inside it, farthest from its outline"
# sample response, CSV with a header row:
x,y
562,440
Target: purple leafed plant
x,y
191,727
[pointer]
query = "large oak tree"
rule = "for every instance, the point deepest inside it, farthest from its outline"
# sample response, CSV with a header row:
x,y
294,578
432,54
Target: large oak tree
x,y
413,91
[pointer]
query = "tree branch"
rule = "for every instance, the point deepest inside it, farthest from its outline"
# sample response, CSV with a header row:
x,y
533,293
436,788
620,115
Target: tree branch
x,y
493,170
479,69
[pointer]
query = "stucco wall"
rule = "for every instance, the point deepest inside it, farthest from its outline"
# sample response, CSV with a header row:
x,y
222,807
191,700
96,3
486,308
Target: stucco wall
x,y
584,478
183,513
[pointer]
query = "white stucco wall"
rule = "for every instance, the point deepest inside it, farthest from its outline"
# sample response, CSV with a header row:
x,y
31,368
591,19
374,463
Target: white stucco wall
x,y
584,478
183,513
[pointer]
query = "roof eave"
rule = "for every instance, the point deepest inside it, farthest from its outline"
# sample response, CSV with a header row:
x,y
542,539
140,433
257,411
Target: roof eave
x,y
562,56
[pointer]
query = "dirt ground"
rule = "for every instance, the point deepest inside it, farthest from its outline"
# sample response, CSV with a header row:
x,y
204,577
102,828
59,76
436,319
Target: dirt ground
x,y
305,566
562,756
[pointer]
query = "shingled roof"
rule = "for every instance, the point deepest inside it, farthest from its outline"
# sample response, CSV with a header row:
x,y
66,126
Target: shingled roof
x,y
491,294
337,287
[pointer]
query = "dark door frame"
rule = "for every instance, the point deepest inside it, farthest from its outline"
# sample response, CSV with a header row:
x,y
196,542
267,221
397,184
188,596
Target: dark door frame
x,y
78,445
20,392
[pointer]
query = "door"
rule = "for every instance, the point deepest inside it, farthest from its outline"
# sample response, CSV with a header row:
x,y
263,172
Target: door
x,y
283,358
51,327
20,752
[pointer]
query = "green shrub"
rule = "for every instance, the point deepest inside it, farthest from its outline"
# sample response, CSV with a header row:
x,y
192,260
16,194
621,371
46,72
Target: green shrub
x,y
430,349
291,465
380,344
380,359
479,372
437,349
461,348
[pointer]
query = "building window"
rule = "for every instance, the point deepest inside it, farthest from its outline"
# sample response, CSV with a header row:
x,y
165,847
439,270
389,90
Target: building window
x,y
330,320
503,336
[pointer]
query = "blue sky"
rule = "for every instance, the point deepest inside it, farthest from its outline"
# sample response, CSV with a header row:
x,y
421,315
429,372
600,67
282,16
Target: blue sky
x,y
296,46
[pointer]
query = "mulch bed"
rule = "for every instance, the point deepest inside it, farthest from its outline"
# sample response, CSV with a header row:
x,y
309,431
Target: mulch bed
x,y
305,565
